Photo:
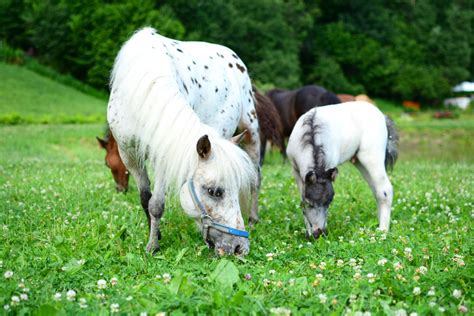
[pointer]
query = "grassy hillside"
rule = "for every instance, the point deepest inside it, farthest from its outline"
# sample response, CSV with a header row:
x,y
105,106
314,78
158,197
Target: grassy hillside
x,y
26,97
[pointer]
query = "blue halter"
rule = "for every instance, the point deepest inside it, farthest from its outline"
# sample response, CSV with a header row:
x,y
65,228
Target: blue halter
x,y
208,222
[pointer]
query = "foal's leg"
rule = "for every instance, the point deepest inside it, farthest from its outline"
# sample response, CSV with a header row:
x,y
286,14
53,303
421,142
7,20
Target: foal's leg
x,y
376,176
138,171
156,207
252,147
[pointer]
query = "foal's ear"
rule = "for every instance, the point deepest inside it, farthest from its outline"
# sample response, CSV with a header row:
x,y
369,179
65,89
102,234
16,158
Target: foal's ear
x,y
102,143
333,173
203,147
310,177
238,138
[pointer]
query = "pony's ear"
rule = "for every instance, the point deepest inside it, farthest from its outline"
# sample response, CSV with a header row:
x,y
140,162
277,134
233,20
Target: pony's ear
x,y
238,138
102,143
310,177
332,174
203,147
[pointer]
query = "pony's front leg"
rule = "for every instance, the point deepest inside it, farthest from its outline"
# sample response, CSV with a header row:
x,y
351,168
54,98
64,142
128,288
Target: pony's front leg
x,y
156,207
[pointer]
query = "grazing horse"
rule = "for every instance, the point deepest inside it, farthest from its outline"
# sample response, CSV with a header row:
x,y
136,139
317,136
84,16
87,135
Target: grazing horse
x,y
114,162
291,104
177,104
326,137
269,123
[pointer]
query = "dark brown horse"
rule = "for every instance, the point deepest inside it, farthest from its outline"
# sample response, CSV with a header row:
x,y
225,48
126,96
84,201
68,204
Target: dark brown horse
x,y
114,162
269,123
291,104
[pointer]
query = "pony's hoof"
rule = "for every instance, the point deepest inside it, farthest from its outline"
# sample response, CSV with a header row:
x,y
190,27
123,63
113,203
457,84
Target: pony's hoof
x,y
152,248
253,221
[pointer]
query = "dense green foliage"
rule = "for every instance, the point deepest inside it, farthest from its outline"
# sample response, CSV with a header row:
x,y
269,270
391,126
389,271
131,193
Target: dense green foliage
x,y
398,49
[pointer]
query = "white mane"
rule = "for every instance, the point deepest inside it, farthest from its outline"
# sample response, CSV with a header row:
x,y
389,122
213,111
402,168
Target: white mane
x,y
167,129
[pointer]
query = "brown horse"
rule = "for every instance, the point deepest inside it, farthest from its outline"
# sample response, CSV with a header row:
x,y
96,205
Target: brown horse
x,y
269,123
291,104
114,162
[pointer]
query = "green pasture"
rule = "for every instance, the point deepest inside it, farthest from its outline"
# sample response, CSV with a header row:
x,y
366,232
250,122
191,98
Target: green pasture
x,y
64,228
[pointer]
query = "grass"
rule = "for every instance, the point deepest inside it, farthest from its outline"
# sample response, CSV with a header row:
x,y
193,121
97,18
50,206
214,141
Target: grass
x,y
26,97
64,228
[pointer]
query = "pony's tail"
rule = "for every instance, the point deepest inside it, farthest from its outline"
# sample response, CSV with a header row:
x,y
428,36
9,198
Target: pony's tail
x,y
391,152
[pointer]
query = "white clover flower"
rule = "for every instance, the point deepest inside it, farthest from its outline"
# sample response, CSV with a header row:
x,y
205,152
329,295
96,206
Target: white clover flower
x,y
371,277
82,303
423,269
413,314
394,251
401,312
101,284
352,262
8,274
319,276
382,262
457,293
166,278
266,282
462,309
377,292
113,281
15,300
6,307
357,276
407,250
352,298
272,272
416,291
114,308
340,263
81,262
24,297
143,314
322,265
397,266
431,292
160,314
57,297
71,295
280,311
323,298
270,256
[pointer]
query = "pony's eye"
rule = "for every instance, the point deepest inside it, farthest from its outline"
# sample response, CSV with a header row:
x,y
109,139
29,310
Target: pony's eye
x,y
217,192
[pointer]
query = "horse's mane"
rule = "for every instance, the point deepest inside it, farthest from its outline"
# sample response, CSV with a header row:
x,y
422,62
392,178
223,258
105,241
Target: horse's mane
x,y
309,139
167,129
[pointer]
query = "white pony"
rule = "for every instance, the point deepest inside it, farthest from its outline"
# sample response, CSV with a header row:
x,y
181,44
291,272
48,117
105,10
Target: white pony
x,y
177,105
328,136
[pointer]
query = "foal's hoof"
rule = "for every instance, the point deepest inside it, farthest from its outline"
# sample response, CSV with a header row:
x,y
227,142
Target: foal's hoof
x,y
152,248
253,221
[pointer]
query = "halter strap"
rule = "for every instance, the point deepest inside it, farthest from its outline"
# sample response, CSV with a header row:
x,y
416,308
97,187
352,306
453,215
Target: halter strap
x,y
207,220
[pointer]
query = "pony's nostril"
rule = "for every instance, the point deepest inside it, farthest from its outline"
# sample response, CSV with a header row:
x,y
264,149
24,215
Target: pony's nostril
x,y
238,250
318,232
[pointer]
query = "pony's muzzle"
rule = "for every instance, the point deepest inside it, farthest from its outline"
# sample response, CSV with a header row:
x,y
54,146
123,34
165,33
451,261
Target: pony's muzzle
x,y
318,232
121,188
232,246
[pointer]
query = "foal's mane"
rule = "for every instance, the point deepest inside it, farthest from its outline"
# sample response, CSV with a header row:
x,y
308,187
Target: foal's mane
x,y
309,139
166,128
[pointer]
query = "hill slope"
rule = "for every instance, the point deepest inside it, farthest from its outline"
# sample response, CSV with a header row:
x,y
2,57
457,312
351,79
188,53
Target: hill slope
x,y
26,96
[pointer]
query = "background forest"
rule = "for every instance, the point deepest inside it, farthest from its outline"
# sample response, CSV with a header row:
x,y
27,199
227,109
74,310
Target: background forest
x,y
405,49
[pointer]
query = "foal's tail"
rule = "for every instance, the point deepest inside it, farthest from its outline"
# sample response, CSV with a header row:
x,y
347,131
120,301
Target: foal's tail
x,y
391,152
